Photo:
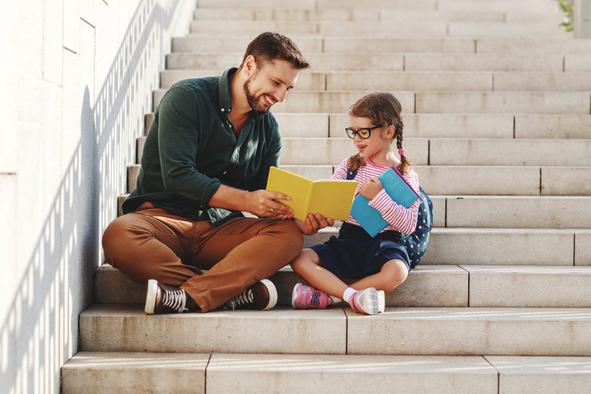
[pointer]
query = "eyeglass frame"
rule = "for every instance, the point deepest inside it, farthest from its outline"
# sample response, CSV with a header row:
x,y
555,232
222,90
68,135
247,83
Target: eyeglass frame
x,y
353,133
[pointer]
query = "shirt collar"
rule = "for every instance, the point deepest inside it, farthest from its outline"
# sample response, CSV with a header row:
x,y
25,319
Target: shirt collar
x,y
225,98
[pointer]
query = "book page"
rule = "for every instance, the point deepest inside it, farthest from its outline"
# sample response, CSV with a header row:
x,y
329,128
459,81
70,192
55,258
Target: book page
x,y
296,186
332,198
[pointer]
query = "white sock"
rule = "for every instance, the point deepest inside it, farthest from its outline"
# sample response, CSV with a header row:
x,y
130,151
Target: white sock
x,y
348,293
335,300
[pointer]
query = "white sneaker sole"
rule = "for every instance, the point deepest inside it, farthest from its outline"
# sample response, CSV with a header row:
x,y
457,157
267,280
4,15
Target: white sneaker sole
x,y
381,301
272,294
151,296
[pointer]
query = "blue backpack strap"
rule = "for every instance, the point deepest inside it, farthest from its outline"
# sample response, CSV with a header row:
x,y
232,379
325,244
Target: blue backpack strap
x,y
351,174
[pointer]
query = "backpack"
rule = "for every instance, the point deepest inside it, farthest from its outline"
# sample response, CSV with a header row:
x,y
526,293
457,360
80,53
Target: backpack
x,y
417,241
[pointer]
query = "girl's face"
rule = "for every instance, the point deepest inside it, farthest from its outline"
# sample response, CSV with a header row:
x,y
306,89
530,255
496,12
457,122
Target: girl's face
x,y
378,142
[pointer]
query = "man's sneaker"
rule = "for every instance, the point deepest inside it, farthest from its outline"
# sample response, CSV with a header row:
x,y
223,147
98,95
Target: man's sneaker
x,y
162,300
307,297
369,301
260,296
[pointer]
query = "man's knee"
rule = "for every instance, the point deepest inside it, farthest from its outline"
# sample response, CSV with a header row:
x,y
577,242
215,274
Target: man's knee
x,y
292,236
117,238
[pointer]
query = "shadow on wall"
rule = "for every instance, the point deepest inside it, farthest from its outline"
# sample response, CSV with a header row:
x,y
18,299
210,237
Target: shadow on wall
x,y
40,331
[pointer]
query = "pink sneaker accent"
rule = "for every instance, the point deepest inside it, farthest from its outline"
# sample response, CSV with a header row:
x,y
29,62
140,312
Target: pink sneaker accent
x,y
307,297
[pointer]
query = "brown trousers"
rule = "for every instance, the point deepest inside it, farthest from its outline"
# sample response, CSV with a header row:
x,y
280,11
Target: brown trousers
x,y
151,243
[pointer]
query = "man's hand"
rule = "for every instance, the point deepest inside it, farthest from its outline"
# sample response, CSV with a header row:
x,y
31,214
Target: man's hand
x,y
371,188
263,204
313,223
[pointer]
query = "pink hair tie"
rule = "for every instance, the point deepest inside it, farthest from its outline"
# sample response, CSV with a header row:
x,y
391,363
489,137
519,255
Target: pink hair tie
x,y
401,152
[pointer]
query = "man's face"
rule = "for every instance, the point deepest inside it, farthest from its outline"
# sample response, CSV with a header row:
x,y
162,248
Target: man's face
x,y
269,84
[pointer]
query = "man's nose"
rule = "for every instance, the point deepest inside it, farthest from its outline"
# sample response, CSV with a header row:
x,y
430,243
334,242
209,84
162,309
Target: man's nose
x,y
280,95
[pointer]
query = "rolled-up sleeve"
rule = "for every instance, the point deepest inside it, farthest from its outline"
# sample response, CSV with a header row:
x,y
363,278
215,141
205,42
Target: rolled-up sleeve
x,y
178,140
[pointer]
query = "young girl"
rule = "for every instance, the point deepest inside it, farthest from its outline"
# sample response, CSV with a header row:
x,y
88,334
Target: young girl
x,y
375,265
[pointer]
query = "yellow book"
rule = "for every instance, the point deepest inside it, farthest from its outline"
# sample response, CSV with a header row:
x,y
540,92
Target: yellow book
x,y
330,198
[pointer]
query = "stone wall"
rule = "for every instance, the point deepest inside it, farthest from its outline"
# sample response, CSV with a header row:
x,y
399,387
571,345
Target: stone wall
x,y
76,79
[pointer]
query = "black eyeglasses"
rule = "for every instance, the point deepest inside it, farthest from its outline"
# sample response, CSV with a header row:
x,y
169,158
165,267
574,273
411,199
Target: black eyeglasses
x,y
364,133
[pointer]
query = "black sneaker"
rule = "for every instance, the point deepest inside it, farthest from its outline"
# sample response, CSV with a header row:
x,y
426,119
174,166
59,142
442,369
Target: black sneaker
x,y
162,300
260,296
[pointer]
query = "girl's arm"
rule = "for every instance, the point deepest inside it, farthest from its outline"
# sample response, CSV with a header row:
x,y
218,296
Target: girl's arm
x,y
400,218
340,173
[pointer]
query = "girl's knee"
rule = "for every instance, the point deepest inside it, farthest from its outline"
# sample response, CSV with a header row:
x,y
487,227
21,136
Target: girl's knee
x,y
306,258
394,273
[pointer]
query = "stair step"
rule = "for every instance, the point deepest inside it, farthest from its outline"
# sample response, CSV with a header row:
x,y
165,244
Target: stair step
x,y
443,152
483,62
310,125
421,331
369,14
468,180
426,286
471,331
236,43
94,373
251,373
439,102
408,28
578,63
311,331
183,61
320,4
504,212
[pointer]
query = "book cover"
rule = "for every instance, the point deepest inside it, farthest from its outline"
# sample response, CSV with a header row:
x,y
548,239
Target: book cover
x,y
399,191
330,198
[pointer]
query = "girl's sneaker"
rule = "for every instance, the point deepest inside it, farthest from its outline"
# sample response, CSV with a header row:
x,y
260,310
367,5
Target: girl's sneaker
x,y
307,297
369,301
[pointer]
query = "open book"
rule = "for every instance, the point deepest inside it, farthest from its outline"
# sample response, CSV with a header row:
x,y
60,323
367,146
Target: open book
x,y
330,198
399,191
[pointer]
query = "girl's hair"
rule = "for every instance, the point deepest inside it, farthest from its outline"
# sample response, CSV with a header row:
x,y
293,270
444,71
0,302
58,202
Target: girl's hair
x,y
383,109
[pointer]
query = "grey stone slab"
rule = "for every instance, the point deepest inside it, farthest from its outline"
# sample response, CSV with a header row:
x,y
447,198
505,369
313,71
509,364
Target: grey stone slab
x,y
521,286
471,331
497,61
275,331
95,373
544,375
519,212
240,373
497,102
472,246
553,126
572,181
583,248
510,152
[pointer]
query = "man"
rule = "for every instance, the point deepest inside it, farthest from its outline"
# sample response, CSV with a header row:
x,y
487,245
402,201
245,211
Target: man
x,y
206,159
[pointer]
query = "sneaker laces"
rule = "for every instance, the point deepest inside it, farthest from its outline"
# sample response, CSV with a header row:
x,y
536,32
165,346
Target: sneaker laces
x,y
175,300
246,297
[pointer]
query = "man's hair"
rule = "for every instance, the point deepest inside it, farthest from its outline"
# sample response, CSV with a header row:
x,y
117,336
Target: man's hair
x,y
267,47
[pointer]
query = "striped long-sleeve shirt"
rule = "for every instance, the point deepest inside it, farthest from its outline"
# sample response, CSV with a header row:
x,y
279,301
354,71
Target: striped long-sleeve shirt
x,y
398,218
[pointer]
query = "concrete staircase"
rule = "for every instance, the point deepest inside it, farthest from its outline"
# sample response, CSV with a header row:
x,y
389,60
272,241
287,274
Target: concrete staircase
x,y
497,104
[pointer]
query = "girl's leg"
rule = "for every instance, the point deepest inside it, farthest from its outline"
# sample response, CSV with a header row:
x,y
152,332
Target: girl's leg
x,y
392,274
307,265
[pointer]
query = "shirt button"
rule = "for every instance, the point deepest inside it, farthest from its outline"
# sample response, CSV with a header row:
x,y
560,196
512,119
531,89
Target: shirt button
x,y
225,172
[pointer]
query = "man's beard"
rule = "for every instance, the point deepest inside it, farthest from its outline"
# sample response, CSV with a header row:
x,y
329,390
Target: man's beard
x,y
253,101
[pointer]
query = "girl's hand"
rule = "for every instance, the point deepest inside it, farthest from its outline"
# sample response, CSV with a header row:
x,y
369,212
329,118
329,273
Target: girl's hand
x,y
313,223
371,188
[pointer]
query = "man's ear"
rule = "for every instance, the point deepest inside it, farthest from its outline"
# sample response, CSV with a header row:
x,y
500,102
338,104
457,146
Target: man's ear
x,y
249,65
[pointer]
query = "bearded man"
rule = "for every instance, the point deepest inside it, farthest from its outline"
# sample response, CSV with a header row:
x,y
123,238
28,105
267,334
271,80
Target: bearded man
x,y
205,161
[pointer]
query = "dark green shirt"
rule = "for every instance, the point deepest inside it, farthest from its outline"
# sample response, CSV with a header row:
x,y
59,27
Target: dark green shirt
x,y
191,149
